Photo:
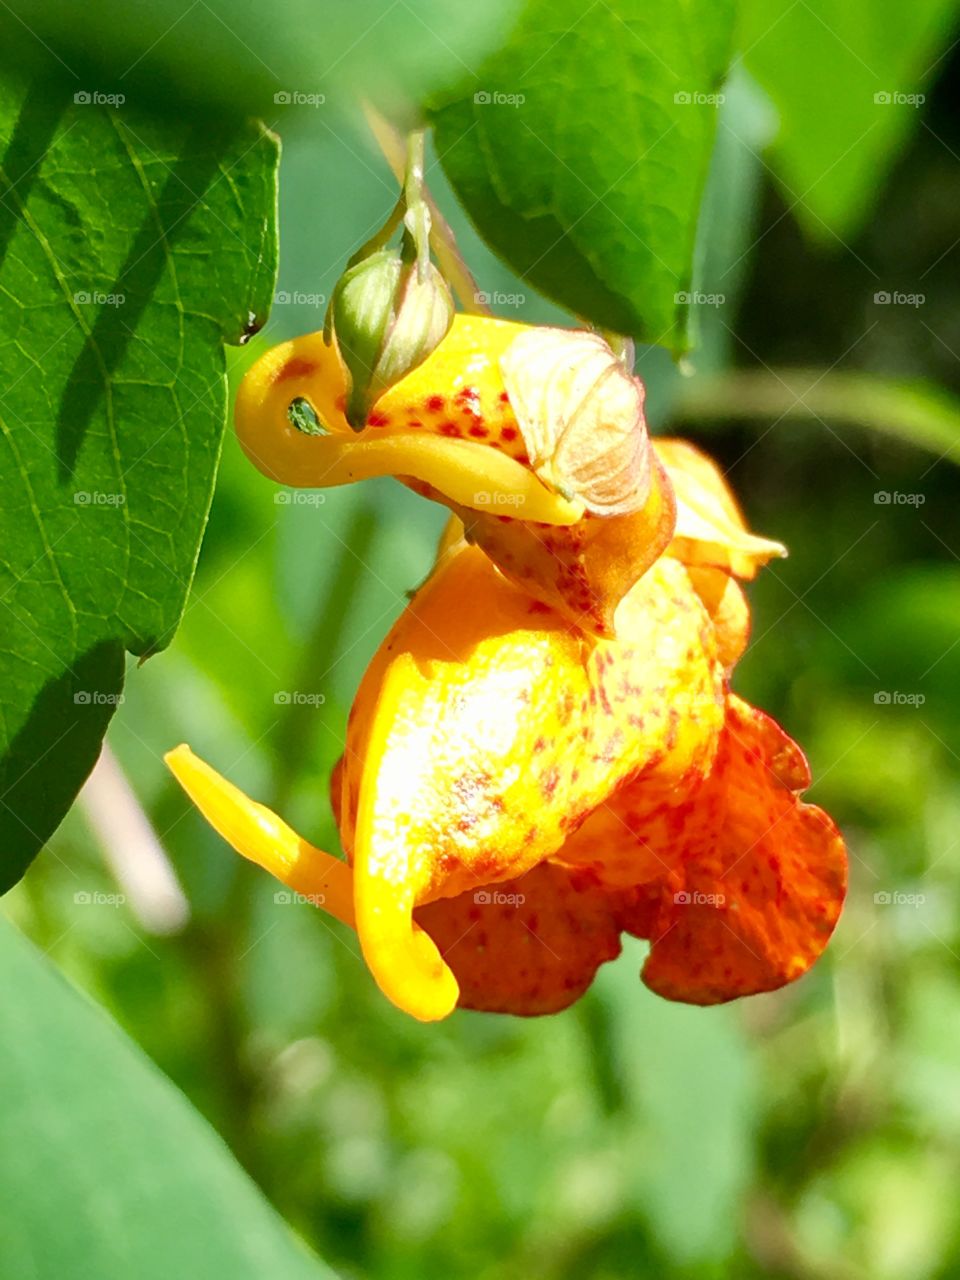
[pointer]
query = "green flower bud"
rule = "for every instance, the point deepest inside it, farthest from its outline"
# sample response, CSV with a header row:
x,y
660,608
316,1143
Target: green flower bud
x,y
388,315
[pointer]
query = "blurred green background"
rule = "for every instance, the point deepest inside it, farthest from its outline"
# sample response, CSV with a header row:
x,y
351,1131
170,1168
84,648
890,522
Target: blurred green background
x,y
814,1132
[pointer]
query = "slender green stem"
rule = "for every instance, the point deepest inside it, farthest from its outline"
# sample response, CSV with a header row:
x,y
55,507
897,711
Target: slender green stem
x,y
442,239
380,238
417,217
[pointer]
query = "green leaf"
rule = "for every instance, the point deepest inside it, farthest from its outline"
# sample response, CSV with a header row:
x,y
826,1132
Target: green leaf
x,y
282,60
106,1172
581,150
841,74
130,252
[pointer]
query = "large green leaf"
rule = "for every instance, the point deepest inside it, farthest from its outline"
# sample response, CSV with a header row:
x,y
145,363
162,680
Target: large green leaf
x,y
252,57
129,253
581,149
106,1172
844,76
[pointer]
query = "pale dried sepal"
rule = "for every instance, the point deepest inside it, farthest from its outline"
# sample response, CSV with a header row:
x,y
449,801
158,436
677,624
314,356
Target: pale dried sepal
x,y
581,417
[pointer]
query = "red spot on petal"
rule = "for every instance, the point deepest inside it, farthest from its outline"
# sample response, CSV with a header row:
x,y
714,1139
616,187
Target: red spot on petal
x,y
296,368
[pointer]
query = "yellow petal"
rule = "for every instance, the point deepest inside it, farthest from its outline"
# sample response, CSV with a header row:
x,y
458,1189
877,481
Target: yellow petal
x,y
260,836
710,528
463,469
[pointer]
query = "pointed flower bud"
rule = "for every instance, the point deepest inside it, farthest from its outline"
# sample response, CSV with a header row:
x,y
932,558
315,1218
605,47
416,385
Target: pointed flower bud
x,y
388,315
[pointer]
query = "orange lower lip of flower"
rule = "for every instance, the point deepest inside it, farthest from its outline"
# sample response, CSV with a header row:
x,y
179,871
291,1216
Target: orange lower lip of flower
x,y
514,797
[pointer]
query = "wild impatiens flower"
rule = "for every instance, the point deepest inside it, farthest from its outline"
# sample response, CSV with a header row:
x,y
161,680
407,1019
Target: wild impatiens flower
x,y
545,752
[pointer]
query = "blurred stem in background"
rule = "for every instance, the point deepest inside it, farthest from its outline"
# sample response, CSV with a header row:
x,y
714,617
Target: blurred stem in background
x,y
443,242
918,412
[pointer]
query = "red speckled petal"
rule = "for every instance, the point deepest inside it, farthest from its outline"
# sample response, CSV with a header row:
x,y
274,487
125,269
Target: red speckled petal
x,y
582,570
750,903
527,946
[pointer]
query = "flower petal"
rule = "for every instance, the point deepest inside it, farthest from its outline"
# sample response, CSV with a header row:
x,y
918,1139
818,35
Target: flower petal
x,y
758,877
486,729
724,600
258,834
583,570
528,946
710,529
448,462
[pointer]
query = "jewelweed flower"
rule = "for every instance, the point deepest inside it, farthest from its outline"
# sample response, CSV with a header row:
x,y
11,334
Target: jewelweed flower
x,y
545,752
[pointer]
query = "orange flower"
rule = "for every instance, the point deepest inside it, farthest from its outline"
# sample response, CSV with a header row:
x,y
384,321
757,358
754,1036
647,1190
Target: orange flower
x,y
545,753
